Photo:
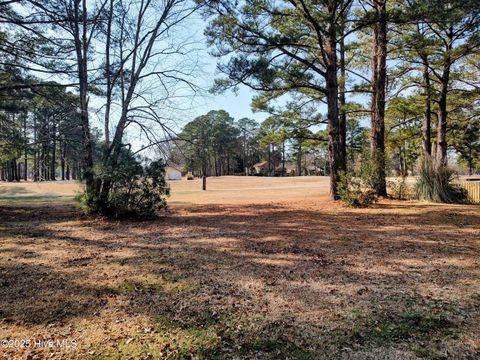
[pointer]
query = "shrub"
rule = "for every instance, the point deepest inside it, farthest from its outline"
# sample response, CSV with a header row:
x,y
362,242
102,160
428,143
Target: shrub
x,y
136,190
435,184
353,192
369,170
190,176
400,189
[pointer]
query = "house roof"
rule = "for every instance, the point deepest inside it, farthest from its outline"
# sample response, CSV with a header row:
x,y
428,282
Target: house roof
x,y
288,167
173,165
261,165
264,165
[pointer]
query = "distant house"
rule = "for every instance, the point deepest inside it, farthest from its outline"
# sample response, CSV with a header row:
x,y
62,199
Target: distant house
x,y
289,170
312,170
260,168
173,171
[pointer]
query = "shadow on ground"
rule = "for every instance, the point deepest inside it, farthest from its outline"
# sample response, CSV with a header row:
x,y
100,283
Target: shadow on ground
x,y
397,281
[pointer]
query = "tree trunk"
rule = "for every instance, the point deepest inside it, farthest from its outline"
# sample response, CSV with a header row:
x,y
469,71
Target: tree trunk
x,y
25,154
470,161
427,117
108,75
299,158
305,168
379,78
342,99
35,164
336,159
53,164
274,163
42,164
269,160
245,152
35,150
283,158
81,47
62,157
43,152
247,161
228,163
204,177
441,155
15,170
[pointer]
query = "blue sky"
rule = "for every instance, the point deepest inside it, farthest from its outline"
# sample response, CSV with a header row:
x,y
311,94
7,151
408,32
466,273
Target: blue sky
x,y
237,105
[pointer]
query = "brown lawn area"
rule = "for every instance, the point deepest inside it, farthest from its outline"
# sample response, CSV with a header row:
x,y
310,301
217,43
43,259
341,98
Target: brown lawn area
x,y
254,268
221,190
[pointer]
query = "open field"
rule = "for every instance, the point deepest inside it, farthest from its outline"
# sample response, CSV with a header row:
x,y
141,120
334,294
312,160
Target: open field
x,y
249,190
221,190
227,189
253,268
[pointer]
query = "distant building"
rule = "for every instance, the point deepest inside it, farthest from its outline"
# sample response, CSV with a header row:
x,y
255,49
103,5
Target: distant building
x,y
289,170
173,171
261,168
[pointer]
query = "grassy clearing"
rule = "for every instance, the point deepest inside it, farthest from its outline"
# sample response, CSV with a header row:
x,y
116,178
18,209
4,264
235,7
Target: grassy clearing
x,y
22,200
220,190
297,280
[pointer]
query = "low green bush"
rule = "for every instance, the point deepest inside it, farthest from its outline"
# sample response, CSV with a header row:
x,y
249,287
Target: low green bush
x,y
353,191
135,190
369,171
400,189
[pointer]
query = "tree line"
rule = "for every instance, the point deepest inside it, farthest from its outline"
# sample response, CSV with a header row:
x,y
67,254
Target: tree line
x,y
41,136
215,144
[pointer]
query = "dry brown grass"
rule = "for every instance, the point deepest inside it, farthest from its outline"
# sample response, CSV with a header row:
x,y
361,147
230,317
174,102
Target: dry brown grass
x,y
303,278
44,188
220,190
